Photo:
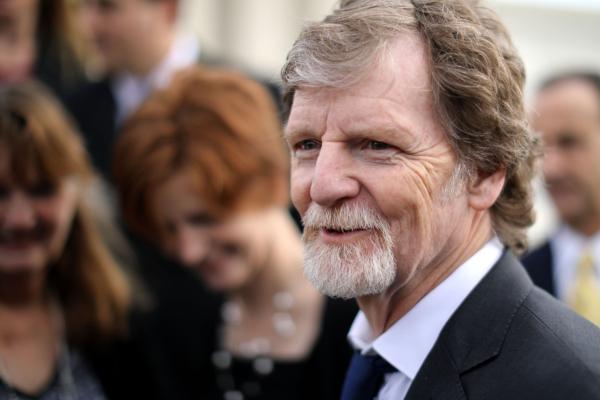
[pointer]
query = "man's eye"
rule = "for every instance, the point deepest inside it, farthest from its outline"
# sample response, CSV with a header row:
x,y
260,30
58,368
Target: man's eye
x,y
307,145
568,141
375,145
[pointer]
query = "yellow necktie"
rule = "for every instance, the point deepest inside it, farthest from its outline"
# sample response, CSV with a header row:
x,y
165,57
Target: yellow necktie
x,y
585,292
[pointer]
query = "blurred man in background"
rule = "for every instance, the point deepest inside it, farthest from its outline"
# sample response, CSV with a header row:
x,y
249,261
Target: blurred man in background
x,y
567,116
141,50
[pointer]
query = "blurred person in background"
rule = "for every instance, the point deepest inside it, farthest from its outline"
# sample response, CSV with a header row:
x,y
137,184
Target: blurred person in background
x,y
42,39
201,171
64,300
567,117
140,49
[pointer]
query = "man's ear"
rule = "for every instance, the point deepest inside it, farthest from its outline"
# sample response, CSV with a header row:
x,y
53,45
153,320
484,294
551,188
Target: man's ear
x,y
484,190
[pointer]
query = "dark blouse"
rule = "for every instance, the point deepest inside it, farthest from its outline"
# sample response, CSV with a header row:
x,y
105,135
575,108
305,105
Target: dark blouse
x,y
319,376
74,380
166,355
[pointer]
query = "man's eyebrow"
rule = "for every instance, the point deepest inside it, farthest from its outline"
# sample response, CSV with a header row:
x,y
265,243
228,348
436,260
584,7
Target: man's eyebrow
x,y
379,130
374,130
295,130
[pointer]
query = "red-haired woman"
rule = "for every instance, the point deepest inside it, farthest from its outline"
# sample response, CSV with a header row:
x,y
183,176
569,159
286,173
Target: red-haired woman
x,y
202,171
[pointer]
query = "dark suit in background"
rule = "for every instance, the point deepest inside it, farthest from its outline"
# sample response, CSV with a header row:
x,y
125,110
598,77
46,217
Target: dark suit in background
x,y
540,266
94,110
167,354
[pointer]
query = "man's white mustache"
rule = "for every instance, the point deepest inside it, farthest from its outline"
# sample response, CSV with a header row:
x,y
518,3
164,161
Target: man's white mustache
x,y
343,218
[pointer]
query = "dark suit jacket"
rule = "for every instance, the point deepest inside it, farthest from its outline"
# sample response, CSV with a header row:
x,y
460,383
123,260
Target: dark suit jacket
x,y
510,340
539,263
94,110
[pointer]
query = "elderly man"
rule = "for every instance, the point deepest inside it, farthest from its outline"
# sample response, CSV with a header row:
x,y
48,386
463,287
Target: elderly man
x,y
567,116
411,167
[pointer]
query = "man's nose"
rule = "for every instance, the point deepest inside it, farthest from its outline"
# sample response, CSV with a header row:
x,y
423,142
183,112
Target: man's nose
x,y
553,163
191,247
20,212
333,179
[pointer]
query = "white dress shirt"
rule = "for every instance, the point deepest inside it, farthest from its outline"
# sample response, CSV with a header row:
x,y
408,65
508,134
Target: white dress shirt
x,y
131,90
567,247
406,344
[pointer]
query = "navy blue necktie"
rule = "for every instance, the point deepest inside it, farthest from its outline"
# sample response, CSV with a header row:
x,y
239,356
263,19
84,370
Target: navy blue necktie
x,y
365,377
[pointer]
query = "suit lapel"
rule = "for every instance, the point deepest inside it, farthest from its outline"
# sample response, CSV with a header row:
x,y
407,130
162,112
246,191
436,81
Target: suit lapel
x,y
475,333
437,379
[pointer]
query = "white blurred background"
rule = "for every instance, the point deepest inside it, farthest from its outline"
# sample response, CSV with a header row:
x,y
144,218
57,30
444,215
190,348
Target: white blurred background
x,y
551,35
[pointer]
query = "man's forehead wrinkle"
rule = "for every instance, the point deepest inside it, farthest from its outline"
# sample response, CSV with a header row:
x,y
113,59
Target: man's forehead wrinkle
x,y
305,121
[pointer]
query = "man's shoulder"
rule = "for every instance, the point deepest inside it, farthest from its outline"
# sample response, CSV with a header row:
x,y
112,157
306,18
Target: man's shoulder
x,y
509,339
556,351
559,331
540,323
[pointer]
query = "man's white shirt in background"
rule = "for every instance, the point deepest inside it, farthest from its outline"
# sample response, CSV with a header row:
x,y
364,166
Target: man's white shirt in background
x,y
567,248
131,90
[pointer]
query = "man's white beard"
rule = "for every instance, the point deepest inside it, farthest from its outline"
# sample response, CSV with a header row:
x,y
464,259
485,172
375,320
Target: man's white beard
x,y
364,267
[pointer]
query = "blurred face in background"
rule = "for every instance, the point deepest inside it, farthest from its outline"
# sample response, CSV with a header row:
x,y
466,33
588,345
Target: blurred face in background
x,y
18,19
226,254
567,115
12,10
130,35
35,219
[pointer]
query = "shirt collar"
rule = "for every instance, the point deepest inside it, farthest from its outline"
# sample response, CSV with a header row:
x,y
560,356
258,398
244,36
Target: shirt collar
x,y
407,343
130,90
184,52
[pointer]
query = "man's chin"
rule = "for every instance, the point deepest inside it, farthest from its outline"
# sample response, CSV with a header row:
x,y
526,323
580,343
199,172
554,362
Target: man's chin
x,y
369,243
351,280
352,291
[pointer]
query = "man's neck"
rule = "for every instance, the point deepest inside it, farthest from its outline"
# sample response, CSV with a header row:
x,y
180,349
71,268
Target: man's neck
x,y
144,66
385,309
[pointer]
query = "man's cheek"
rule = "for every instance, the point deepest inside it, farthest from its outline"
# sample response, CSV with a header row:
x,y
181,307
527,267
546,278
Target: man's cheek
x,y
300,191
